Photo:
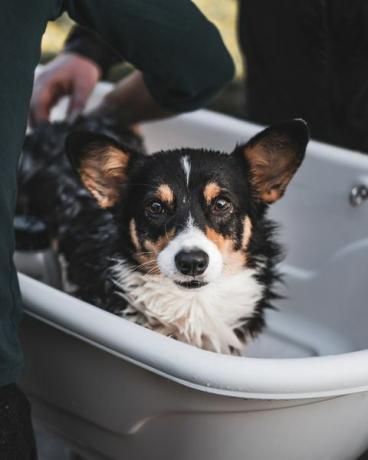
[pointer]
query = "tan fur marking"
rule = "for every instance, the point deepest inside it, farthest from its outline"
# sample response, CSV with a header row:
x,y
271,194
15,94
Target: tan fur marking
x,y
247,232
272,170
102,172
217,238
156,246
148,257
165,194
133,234
233,259
147,262
211,191
115,163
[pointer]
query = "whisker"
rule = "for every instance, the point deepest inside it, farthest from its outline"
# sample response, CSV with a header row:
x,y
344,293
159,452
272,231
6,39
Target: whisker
x,y
153,271
144,264
147,264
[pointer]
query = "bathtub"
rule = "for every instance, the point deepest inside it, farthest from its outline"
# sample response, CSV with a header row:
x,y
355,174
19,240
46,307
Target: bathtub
x,y
116,390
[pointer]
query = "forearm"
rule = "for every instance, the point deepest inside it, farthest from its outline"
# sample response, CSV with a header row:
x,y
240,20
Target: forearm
x,y
132,98
179,52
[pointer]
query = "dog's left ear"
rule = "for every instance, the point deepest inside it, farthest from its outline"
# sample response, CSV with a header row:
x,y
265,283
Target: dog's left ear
x,y
274,155
101,163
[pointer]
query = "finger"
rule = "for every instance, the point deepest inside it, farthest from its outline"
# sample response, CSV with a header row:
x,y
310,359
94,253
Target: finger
x,y
40,107
75,108
78,102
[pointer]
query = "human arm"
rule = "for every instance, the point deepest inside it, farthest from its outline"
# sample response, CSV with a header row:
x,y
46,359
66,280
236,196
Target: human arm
x,y
179,53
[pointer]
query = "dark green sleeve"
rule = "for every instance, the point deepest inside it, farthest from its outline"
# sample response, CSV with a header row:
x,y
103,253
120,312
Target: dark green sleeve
x,y
88,44
180,52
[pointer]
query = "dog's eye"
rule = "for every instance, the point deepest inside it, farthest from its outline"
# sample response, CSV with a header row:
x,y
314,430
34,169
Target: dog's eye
x,y
221,206
155,208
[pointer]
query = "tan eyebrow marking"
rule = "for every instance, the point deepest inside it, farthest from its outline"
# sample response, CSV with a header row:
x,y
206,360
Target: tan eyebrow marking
x,y
165,193
211,191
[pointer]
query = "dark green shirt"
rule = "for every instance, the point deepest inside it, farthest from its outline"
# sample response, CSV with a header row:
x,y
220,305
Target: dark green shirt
x,y
180,52
184,63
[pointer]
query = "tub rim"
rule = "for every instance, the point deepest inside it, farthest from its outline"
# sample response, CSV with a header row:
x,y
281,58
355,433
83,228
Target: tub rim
x,y
241,377
327,152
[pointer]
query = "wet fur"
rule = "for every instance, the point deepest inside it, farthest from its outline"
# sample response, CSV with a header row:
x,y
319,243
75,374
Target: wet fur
x,y
100,254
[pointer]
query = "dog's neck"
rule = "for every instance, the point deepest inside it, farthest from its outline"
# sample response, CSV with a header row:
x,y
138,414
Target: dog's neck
x,y
205,317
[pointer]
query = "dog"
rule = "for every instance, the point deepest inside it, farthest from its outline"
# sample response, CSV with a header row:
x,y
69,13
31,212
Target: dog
x,y
178,241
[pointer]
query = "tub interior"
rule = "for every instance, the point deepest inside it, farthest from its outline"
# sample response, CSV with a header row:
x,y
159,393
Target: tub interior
x,y
325,238
325,309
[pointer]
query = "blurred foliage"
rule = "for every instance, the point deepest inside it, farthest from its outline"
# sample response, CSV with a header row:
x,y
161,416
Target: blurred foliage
x,y
224,15
54,37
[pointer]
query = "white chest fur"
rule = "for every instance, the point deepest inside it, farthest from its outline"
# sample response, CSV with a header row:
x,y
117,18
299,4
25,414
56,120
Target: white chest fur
x,y
205,317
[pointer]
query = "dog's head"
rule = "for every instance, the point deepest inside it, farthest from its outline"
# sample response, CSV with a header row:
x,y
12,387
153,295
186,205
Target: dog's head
x,y
190,213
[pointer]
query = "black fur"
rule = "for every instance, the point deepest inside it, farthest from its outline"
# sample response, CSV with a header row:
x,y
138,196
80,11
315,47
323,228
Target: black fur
x,y
50,189
91,238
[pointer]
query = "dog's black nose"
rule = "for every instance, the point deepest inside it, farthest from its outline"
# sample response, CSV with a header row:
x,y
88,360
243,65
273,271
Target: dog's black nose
x,y
192,262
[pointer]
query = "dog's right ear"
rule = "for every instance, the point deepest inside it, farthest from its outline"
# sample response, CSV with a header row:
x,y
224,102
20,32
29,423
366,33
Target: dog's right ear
x,y
101,164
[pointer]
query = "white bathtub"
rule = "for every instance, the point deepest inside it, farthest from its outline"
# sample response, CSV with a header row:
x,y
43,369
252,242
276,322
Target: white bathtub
x,y
119,391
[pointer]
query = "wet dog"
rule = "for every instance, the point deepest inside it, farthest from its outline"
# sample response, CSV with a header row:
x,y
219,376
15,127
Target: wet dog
x,y
178,241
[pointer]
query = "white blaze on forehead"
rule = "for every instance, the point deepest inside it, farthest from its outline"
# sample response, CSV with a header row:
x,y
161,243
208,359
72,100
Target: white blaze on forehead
x,y
185,162
190,222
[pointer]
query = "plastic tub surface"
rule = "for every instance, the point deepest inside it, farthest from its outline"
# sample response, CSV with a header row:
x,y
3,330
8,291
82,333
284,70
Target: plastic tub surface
x,y
117,390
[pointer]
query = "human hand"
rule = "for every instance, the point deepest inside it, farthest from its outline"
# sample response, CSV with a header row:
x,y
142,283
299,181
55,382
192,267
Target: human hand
x,y
67,75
